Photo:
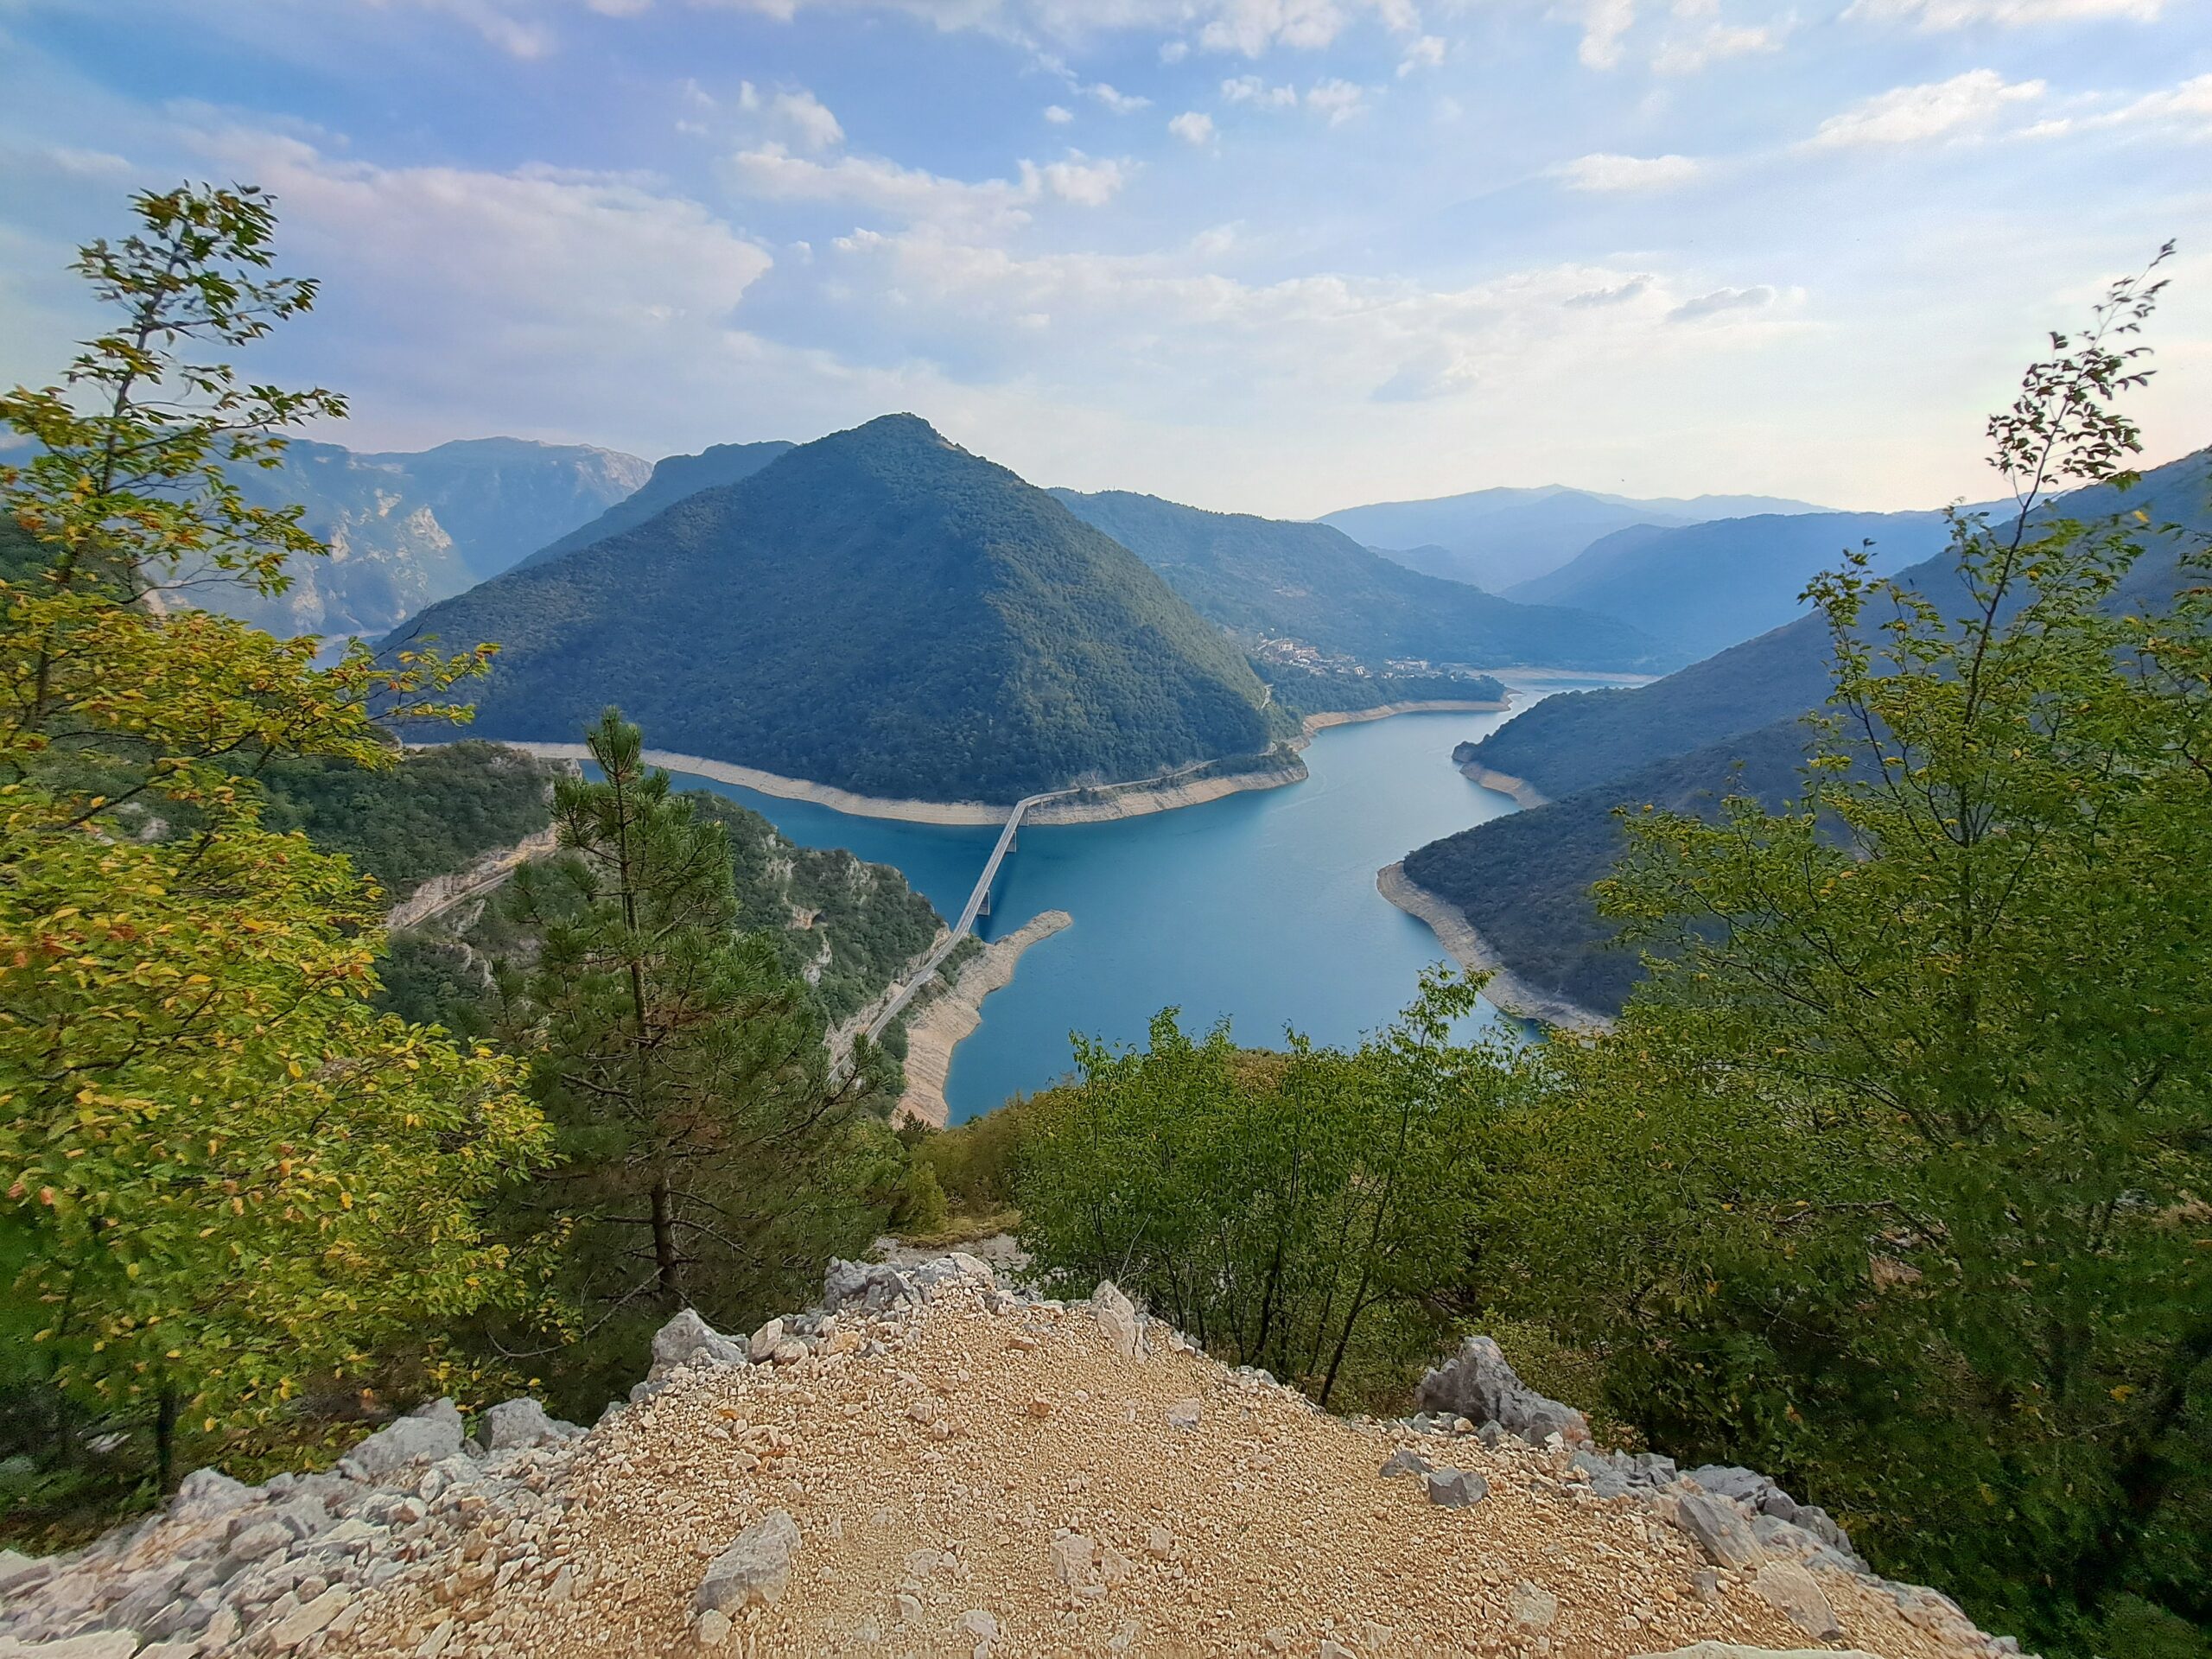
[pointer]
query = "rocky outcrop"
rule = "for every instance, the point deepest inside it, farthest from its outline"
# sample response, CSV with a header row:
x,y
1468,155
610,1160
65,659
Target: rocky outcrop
x,y
442,892
932,1461
1477,1383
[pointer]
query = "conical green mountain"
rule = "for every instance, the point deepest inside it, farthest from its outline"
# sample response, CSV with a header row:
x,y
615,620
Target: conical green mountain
x,y
878,610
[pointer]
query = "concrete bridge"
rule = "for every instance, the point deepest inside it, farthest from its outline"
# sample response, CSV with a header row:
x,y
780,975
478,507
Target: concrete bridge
x,y
979,904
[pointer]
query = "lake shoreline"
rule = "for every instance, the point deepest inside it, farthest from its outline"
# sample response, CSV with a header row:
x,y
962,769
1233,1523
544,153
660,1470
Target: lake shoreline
x,y
1328,717
1525,794
1505,989
951,1013
1112,802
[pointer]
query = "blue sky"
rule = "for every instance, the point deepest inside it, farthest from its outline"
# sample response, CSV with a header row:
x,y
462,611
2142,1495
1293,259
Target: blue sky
x,y
1275,255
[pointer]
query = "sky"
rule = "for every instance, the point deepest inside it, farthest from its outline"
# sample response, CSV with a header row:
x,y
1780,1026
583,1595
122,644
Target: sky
x,y
1275,256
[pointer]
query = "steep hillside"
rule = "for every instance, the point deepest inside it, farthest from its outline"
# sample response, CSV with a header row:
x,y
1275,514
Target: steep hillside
x,y
1497,538
847,928
1577,739
931,1462
879,610
406,530
674,477
1729,725
429,815
1574,740
1310,583
1522,881
1700,588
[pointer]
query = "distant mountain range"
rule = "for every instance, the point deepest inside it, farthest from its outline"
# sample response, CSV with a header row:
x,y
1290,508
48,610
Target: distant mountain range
x,y
1523,880
1495,538
1265,576
1699,587
406,530
879,610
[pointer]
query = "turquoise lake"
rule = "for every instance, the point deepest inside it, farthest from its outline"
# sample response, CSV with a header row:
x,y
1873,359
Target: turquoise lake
x,y
1258,908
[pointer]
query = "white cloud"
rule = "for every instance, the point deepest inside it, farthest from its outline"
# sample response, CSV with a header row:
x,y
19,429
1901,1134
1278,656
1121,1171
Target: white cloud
x,y
1193,127
1058,115
1166,319
1252,26
1250,89
1962,107
1619,294
914,195
1340,100
2183,112
808,120
1604,23
519,37
526,29
1722,300
2187,105
1084,182
1606,173
475,299
1120,102
2011,14
1427,53
918,197
1684,55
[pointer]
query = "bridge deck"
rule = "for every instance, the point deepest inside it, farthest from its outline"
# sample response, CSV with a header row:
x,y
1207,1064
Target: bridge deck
x,y
977,900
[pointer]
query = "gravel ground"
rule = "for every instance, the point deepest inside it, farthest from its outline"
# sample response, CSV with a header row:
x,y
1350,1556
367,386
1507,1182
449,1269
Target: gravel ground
x,y
991,1477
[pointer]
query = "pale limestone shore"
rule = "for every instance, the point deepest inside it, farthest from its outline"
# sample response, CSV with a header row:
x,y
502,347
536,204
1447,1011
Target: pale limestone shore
x,y
1524,793
1115,801
1111,801
1322,721
1474,953
952,1013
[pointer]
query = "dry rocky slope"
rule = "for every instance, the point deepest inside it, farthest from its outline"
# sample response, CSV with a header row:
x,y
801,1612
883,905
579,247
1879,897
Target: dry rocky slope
x,y
931,1463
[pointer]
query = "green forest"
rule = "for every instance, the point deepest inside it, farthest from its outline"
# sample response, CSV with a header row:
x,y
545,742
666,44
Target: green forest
x,y
1318,691
431,814
878,610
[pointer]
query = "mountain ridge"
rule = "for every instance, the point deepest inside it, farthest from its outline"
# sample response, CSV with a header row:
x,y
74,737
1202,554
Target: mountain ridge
x,y
878,611
1312,582
1497,536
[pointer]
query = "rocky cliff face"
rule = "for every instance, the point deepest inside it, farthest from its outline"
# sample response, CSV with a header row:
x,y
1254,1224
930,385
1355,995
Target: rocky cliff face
x,y
930,1463
406,530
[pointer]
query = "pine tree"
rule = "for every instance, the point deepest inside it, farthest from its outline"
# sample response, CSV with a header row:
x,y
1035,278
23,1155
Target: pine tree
x,y
710,1157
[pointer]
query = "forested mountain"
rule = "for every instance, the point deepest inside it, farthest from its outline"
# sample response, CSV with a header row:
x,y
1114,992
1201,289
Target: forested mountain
x,y
406,530
674,477
1702,588
1729,724
1312,582
1573,741
1497,538
878,610
1524,880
